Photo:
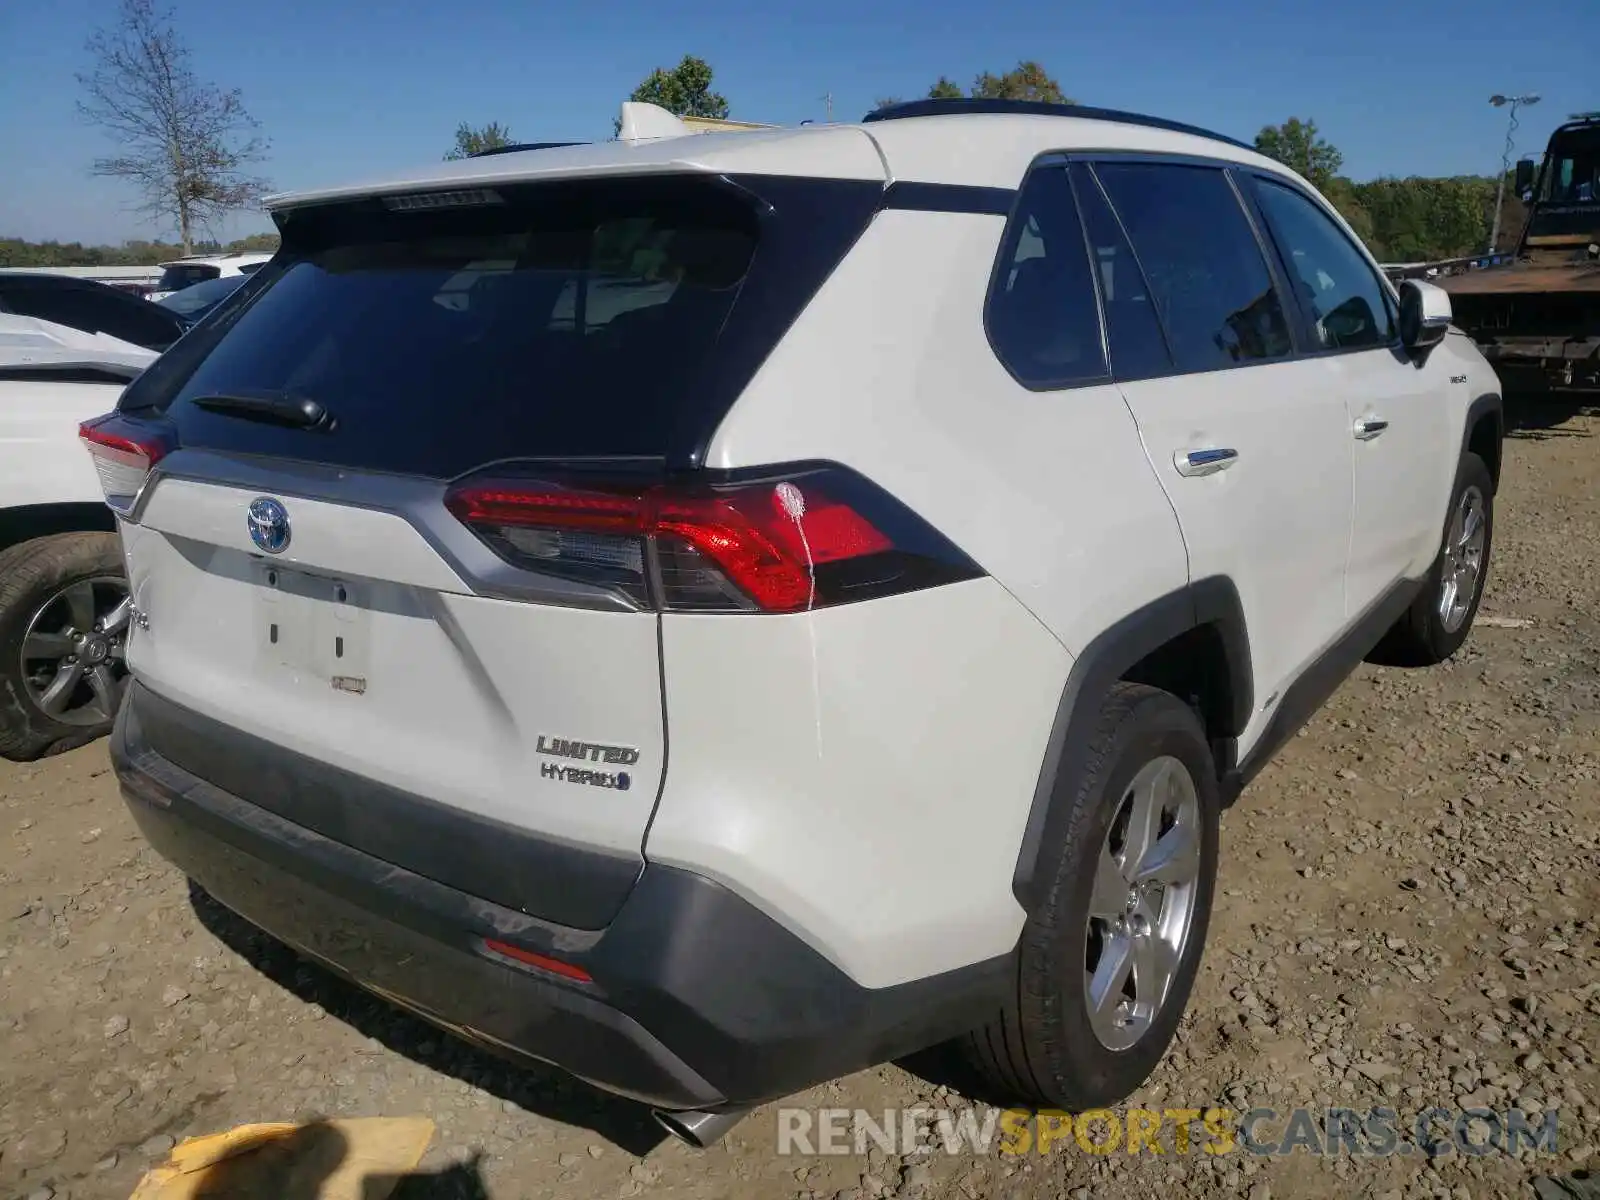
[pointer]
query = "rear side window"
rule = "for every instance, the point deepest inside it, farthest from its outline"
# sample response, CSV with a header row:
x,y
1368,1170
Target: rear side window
x,y
1041,316
1348,307
200,298
1211,285
1138,347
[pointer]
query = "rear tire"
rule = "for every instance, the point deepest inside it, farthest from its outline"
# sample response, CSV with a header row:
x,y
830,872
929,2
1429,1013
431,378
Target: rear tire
x,y
1441,616
35,578
1053,1045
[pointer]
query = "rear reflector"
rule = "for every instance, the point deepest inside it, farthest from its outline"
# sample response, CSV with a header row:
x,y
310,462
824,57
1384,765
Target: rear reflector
x,y
123,455
545,963
777,545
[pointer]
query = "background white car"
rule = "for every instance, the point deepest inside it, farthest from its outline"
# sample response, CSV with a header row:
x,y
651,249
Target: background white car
x,y
197,268
63,596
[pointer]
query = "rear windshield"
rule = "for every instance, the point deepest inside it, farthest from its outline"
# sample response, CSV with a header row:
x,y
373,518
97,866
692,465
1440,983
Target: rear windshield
x,y
561,320
175,278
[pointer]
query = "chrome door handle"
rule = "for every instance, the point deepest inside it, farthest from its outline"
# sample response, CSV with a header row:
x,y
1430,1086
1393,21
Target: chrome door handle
x,y
1204,462
1368,428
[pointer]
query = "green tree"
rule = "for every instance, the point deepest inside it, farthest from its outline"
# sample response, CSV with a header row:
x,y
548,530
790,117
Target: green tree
x,y
1342,194
265,243
470,141
186,145
684,91
1417,220
1026,81
1297,146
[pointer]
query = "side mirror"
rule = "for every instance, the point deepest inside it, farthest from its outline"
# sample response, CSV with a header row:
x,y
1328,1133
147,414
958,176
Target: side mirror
x,y
1524,176
1424,314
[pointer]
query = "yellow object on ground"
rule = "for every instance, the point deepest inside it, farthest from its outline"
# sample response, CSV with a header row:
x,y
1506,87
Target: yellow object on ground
x,y
361,1158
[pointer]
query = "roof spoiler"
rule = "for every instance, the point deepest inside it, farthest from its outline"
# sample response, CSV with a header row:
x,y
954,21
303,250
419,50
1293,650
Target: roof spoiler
x,y
648,123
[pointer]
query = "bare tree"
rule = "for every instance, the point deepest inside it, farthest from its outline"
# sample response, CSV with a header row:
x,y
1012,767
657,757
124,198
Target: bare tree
x,y
185,144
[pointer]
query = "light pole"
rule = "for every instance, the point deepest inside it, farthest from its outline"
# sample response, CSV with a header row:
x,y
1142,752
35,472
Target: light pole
x,y
1515,102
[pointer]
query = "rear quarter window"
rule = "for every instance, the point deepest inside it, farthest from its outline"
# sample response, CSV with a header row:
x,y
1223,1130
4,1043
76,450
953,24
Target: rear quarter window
x,y
1041,315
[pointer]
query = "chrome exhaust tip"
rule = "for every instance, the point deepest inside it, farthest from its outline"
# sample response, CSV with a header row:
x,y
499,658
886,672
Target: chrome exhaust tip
x,y
701,1130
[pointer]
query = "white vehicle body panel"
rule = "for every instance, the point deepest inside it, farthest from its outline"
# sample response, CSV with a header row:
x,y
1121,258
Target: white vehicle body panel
x,y
454,689
824,767
1020,479
41,461
1290,490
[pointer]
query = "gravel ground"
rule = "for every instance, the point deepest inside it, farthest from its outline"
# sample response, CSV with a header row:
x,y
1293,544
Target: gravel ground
x,y
1407,918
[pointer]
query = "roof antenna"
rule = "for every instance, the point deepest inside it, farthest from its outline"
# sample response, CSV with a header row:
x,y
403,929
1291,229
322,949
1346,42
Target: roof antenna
x,y
648,122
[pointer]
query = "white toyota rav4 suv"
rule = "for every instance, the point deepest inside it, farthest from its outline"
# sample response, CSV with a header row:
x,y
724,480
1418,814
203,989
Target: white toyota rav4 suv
x,y
714,612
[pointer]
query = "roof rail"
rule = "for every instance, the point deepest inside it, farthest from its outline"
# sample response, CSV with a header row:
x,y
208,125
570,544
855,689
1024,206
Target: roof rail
x,y
516,146
966,106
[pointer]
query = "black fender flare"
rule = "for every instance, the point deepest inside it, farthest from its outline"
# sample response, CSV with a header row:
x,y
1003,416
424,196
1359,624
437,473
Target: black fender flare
x,y
1489,404
1212,601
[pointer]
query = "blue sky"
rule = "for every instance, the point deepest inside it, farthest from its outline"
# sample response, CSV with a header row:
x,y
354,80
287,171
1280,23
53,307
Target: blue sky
x,y
347,89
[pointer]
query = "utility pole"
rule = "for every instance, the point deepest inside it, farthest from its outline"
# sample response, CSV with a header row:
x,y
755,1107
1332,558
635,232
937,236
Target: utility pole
x,y
1505,159
827,99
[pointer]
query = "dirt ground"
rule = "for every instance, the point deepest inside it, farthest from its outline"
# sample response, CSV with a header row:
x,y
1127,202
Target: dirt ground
x,y
1407,917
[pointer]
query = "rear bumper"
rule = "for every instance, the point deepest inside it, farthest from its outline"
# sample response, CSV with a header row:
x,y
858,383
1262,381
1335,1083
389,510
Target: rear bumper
x,y
697,999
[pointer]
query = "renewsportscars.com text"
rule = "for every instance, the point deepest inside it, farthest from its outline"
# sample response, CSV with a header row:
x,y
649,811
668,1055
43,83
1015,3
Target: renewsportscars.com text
x,y
1376,1132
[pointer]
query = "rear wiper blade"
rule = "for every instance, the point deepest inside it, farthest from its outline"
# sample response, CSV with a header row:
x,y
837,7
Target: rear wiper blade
x,y
297,412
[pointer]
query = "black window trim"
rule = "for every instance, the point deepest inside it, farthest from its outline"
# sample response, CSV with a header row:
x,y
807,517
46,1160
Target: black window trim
x,y
1304,320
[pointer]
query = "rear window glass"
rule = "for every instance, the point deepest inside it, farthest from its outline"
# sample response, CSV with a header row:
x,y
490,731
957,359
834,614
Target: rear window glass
x,y
1210,283
201,297
182,275
1042,319
562,321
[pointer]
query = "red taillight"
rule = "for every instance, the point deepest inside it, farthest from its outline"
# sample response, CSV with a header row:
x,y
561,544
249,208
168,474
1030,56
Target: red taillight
x,y
123,455
753,546
543,961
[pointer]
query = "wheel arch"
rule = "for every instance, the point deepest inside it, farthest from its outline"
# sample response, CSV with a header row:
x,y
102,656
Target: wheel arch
x,y
1483,432
23,523
1192,642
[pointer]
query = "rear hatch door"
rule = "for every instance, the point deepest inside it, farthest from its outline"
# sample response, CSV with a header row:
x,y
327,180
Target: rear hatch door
x,y
384,673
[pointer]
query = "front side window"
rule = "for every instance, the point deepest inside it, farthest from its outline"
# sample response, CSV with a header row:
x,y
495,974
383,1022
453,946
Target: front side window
x,y
1572,174
1211,285
1041,317
1340,292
